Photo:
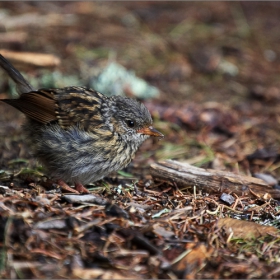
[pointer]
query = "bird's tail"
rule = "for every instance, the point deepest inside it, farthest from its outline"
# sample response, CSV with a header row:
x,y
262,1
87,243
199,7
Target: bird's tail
x,y
22,85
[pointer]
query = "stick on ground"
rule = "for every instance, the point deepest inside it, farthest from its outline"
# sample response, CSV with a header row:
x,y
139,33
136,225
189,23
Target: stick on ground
x,y
210,180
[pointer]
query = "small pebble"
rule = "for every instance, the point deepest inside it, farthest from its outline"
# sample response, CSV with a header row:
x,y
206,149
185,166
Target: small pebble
x,y
227,198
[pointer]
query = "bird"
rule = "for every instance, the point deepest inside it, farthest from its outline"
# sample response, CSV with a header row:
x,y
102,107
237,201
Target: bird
x,y
77,133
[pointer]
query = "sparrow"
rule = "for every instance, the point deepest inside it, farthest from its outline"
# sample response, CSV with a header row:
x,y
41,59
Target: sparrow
x,y
77,133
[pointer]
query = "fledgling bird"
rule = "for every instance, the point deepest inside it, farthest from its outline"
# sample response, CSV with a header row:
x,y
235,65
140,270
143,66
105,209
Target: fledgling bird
x,y
77,133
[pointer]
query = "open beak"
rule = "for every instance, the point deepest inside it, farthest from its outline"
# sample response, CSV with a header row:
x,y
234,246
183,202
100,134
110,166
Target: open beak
x,y
150,131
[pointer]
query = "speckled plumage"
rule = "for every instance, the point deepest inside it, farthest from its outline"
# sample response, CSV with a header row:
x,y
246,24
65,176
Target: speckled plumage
x,y
79,134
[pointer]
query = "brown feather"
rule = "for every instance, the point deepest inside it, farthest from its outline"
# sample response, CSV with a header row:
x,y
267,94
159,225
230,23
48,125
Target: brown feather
x,y
69,106
78,105
35,106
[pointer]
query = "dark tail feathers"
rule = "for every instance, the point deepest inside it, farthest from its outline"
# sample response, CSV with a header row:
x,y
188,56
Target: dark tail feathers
x,y
22,85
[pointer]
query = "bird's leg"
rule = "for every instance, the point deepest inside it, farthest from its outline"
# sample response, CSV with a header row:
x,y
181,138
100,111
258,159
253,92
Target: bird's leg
x,y
65,187
80,188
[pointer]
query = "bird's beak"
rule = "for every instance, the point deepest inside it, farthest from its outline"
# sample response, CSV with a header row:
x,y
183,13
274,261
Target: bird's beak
x,y
150,131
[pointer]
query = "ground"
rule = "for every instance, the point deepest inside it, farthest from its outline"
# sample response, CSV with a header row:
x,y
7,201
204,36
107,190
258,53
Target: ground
x,y
216,65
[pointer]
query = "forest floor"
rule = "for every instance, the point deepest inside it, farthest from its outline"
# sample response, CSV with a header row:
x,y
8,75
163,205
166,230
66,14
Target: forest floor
x,y
216,66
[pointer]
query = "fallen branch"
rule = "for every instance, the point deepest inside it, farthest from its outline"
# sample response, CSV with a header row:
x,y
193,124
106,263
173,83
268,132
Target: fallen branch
x,y
209,180
37,59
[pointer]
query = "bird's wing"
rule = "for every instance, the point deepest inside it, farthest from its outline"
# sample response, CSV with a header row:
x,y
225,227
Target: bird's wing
x,y
39,106
68,106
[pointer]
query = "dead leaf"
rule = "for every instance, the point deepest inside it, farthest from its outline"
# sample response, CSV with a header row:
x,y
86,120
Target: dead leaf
x,y
191,261
245,229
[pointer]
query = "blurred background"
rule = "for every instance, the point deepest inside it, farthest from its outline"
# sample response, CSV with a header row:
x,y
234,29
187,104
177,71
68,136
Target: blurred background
x,y
207,71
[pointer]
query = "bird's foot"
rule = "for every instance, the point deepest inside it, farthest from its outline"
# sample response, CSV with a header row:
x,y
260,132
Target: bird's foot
x,y
79,188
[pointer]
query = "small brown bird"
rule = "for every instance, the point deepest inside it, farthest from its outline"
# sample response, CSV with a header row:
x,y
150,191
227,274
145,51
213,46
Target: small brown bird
x,y
77,133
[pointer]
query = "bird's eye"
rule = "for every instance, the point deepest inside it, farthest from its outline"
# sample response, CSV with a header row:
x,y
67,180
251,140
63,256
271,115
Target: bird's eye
x,y
130,123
